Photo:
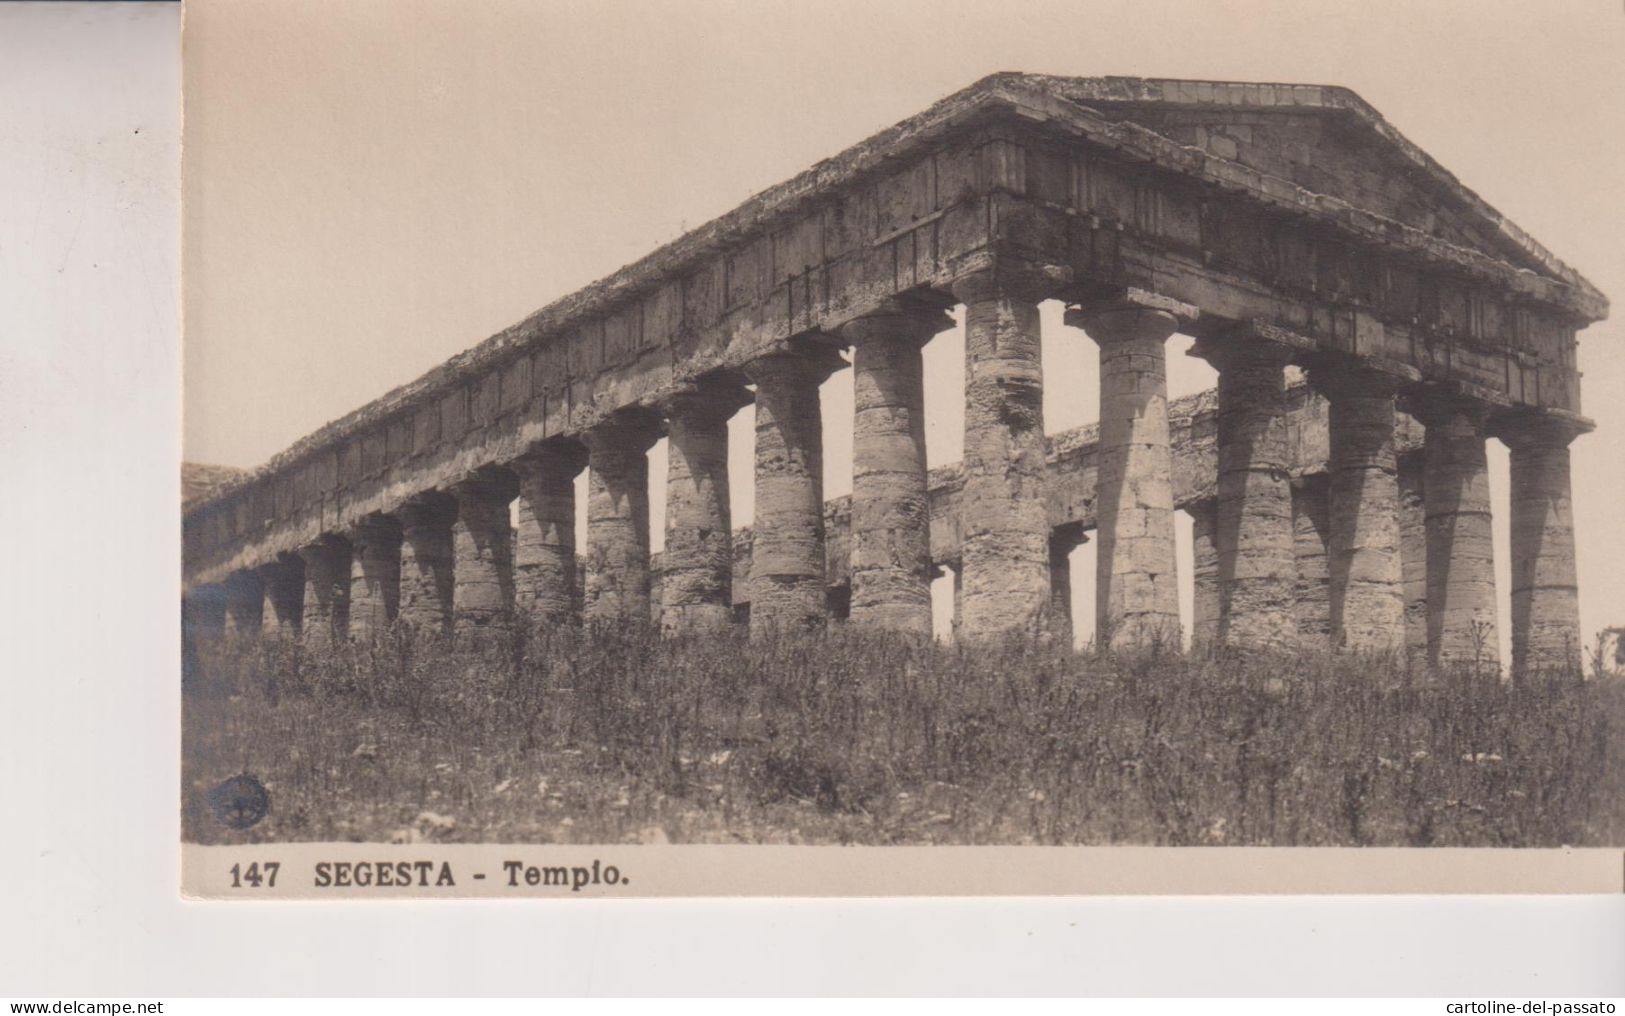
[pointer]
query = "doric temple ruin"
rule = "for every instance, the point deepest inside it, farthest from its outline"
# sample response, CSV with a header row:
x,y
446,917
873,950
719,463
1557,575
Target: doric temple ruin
x,y
1289,229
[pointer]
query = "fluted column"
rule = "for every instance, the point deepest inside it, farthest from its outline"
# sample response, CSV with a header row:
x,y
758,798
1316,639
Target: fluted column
x,y
1545,592
787,572
427,559
1257,572
891,520
482,549
545,588
617,587
1413,557
284,584
245,604
1461,604
1205,609
1367,605
1005,548
696,584
1311,530
1137,587
326,614
375,576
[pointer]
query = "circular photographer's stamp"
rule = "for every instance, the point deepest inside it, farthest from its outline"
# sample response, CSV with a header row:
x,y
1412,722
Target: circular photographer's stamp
x,y
240,802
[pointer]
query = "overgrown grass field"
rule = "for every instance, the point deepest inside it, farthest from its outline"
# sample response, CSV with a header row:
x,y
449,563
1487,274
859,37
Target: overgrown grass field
x,y
852,737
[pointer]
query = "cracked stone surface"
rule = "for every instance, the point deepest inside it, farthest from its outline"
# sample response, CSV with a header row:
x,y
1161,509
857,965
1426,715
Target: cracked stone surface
x,y
1137,589
375,576
545,590
427,563
696,583
1413,566
1004,524
324,618
891,520
482,549
787,576
1253,529
618,520
1367,601
1545,597
1460,559
1205,574
1311,533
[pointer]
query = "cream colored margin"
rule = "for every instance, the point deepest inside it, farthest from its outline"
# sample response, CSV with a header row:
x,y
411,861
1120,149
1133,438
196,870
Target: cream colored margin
x,y
452,871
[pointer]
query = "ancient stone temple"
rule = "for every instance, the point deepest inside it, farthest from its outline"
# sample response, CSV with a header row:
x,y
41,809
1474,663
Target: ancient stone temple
x,y
1289,229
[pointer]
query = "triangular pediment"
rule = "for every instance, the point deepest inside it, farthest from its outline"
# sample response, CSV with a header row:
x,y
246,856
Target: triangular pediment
x,y
1324,139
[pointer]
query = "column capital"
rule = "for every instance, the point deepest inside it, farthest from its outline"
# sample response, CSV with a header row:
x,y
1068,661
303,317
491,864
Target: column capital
x,y
705,397
553,458
896,320
1122,322
1241,351
1001,281
429,508
322,547
373,526
810,365
1433,407
1533,428
633,430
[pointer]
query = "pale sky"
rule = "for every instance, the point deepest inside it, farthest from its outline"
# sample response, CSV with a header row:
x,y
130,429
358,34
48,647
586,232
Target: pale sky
x,y
374,187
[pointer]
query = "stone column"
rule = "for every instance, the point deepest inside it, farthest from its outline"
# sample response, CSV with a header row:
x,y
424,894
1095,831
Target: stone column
x,y
545,588
326,614
1063,541
1413,563
617,587
1367,604
696,585
787,573
375,576
1253,529
482,548
1136,584
284,584
245,604
1005,548
891,520
1545,593
1460,571
1311,530
1205,609
427,563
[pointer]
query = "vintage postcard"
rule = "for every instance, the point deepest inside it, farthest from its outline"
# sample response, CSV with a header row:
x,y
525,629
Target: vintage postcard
x,y
632,454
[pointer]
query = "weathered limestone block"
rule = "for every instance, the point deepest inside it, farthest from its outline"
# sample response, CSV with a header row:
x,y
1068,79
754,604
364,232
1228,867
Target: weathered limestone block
x,y
787,576
617,589
375,576
545,586
326,614
696,580
1253,528
482,548
1137,587
1367,604
1413,563
427,563
1545,597
1004,524
891,522
1461,604
1205,604
245,604
284,584
1311,531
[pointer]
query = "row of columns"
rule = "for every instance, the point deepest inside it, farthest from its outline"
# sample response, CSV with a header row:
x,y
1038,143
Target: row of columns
x,y
447,560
